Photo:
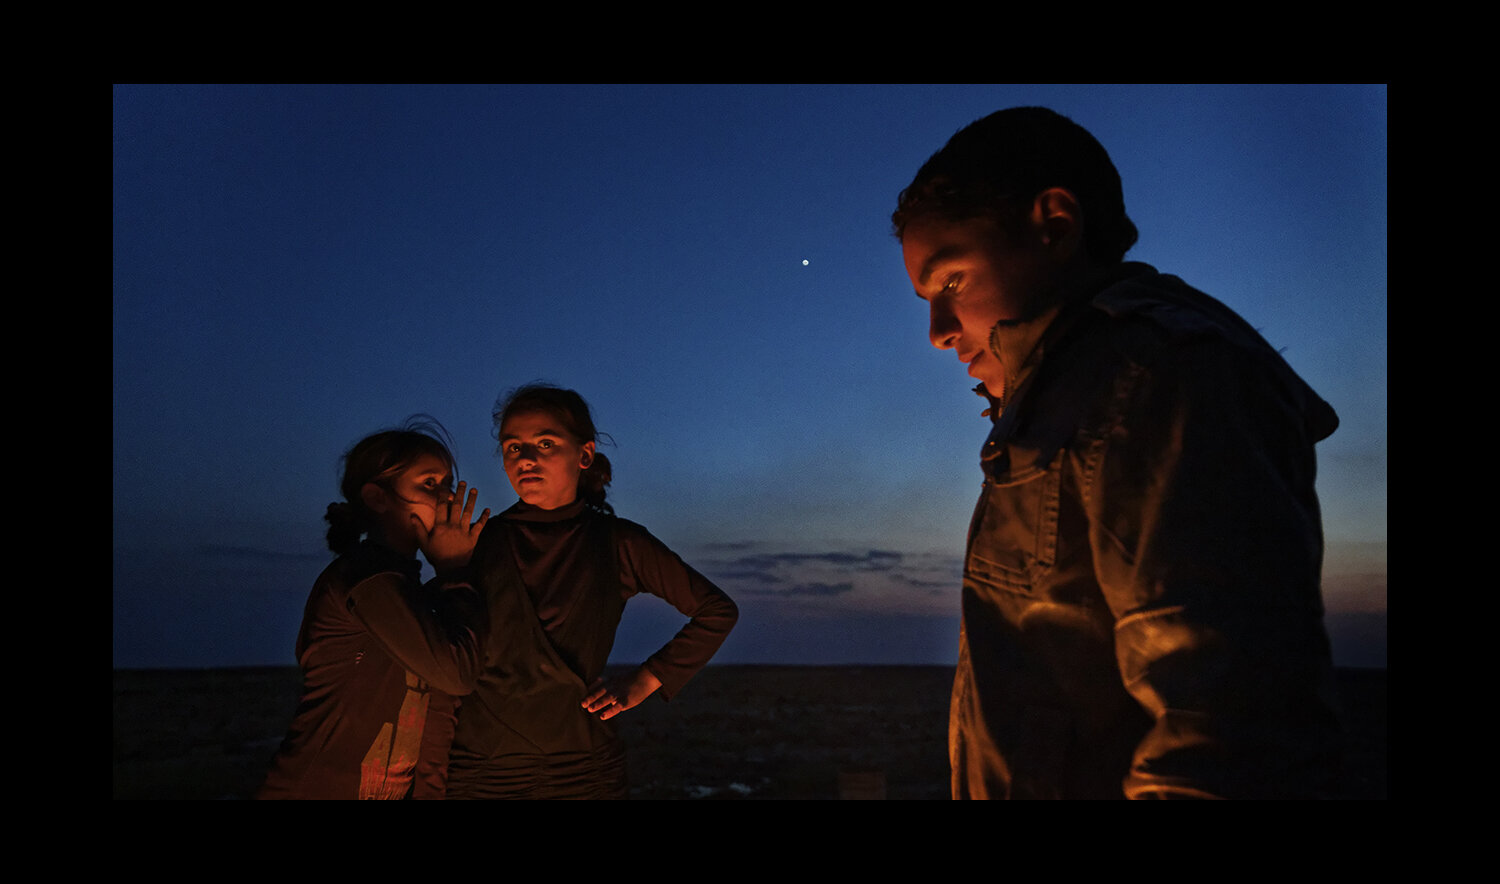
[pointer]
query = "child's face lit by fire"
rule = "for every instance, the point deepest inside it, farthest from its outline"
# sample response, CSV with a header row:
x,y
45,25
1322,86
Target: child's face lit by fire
x,y
414,492
542,460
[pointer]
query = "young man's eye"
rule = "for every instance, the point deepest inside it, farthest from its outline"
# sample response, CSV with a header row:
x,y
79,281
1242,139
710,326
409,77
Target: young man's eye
x,y
545,443
950,286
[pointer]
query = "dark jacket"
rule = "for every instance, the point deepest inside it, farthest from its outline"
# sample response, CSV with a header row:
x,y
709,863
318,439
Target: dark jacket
x,y
382,659
1141,604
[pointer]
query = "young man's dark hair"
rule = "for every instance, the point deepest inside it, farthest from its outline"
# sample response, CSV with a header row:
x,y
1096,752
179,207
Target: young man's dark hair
x,y
995,167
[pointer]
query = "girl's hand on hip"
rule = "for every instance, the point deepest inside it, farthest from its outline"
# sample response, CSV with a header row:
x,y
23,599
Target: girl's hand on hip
x,y
610,698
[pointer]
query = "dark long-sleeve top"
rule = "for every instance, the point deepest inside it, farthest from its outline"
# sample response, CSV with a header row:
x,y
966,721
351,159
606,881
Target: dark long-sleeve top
x,y
382,659
557,582
554,555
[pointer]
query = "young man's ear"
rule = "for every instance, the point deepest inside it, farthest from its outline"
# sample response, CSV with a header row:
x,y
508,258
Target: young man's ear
x,y
1058,220
374,497
586,459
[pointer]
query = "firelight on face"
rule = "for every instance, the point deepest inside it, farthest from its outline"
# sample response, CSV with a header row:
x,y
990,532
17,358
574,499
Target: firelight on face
x,y
415,491
973,274
543,461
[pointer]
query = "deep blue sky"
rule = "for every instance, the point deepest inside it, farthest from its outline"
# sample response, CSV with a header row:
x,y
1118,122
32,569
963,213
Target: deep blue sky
x,y
295,267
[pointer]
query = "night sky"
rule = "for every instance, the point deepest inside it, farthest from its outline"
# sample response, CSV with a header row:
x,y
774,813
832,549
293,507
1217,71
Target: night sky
x,y
712,268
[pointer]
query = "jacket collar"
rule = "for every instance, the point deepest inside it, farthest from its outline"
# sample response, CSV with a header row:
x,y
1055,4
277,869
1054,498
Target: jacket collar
x,y
379,557
1019,344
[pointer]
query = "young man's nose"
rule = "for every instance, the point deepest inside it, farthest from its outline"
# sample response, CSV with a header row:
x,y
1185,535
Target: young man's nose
x,y
942,328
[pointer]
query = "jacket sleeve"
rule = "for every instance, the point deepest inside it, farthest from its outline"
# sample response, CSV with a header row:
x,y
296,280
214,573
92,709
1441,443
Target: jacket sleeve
x,y
1208,545
436,631
647,565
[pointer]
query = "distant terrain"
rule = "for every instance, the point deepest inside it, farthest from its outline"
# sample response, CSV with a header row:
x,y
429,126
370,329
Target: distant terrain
x,y
736,732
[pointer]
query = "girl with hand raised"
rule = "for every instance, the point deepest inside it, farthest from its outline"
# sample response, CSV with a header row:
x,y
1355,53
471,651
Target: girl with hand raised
x,y
384,656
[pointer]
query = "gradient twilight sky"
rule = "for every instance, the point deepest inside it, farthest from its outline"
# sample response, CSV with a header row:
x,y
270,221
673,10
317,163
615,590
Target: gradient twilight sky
x,y
712,268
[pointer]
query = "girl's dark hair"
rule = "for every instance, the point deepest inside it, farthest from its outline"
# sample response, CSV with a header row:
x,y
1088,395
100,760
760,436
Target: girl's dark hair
x,y
379,458
994,167
577,419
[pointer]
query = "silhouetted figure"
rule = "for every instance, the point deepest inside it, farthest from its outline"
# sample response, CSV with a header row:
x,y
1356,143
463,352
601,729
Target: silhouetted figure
x,y
557,569
383,656
1141,605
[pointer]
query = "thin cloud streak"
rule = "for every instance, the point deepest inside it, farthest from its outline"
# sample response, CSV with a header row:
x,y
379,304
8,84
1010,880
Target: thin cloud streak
x,y
214,550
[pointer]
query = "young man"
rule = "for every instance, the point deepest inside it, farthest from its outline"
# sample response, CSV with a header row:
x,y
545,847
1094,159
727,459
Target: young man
x,y
1141,606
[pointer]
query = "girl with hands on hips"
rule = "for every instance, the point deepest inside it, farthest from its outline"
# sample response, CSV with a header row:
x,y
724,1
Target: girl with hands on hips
x,y
556,570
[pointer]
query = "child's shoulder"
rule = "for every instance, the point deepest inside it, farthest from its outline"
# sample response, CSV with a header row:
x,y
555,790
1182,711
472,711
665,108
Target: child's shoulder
x,y
367,560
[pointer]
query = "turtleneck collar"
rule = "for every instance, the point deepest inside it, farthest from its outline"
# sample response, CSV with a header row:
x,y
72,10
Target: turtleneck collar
x,y
525,512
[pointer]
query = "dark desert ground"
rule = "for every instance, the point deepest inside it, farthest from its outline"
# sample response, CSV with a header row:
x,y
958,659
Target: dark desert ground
x,y
736,732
